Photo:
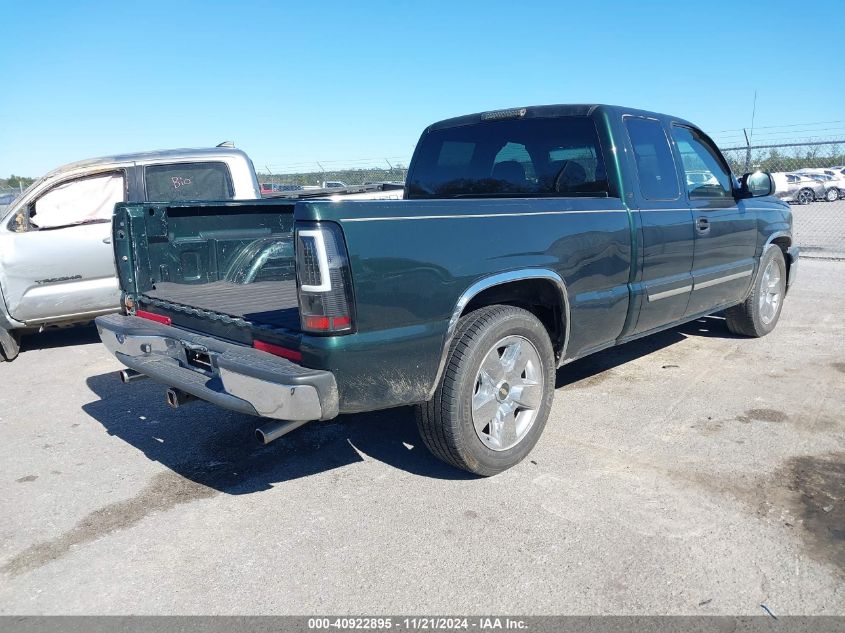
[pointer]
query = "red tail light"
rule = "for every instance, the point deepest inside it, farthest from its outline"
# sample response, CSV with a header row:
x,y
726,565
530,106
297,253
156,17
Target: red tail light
x,y
152,316
277,350
323,279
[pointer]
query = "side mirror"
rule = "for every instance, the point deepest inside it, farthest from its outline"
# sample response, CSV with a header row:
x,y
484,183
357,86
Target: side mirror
x,y
758,184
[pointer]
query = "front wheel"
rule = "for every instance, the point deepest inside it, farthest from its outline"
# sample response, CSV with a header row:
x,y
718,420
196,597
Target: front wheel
x,y
759,313
495,394
832,195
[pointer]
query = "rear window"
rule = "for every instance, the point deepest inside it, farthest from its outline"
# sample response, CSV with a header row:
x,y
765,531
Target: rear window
x,y
188,181
525,157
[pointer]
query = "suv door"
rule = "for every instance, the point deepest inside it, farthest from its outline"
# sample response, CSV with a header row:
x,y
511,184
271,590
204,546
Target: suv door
x,y
60,261
725,230
665,227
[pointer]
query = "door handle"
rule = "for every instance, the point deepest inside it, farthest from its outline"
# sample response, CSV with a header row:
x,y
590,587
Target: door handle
x,y
107,240
702,225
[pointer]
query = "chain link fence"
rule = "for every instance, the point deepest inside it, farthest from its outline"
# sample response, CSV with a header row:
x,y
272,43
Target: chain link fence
x,y
811,177
320,174
7,196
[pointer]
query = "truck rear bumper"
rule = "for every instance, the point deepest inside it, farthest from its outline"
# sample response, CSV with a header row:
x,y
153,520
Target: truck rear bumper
x,y
228,375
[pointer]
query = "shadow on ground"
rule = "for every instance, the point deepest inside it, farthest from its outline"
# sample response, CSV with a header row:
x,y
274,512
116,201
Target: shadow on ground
x,y
59,337
217,448
591,367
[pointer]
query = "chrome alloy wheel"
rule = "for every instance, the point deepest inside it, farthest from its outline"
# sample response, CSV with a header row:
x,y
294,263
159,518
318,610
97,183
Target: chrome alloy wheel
x,y
771,291
508,393
805,196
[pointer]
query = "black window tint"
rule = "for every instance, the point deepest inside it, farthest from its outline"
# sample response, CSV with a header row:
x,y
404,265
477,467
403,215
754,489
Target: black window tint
x,y
655,165
706,175
188,181
558,156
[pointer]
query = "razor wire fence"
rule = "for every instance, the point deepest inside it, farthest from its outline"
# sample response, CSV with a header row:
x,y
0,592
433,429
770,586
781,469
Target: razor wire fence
x,y
810,176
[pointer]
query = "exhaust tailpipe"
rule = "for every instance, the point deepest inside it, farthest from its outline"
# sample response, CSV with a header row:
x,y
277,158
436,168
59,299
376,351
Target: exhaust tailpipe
x,y
130,375
177,398
274,430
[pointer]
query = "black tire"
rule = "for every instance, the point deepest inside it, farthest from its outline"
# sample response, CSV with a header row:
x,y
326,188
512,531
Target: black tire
x,y
445,422
805,196
9,345
747,318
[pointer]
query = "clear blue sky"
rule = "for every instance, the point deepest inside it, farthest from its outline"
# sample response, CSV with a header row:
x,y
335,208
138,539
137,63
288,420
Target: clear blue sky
x,y
293,83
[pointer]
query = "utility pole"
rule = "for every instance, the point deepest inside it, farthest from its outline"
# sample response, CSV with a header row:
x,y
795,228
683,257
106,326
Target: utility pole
x,y
747,151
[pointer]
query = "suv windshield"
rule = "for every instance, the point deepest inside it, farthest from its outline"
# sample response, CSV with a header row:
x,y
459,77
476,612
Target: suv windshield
x,y
558,156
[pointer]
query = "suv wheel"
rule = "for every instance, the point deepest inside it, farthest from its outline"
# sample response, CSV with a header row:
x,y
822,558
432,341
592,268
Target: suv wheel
x,y
832,195
496,392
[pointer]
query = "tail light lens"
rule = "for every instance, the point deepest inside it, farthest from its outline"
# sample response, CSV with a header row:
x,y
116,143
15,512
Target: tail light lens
x,y
323,279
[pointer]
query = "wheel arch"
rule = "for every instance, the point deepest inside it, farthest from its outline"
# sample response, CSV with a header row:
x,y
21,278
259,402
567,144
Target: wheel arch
x,y
541,291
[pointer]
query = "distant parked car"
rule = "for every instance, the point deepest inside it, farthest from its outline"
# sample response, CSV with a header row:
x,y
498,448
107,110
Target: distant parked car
x,y
334,184
798,188
831,186
833,179
56,261
269,188
7,198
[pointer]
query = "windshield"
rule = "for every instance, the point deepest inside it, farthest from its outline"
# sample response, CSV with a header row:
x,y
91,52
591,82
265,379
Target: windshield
x,y
558,156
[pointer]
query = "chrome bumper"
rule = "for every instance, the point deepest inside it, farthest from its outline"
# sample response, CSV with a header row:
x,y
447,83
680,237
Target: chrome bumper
x,y
238,378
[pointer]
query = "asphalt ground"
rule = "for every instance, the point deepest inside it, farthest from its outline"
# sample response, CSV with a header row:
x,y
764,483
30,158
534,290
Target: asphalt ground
x,y
692,472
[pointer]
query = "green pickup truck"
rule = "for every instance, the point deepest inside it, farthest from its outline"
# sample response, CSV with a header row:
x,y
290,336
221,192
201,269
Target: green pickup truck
x,y
526,238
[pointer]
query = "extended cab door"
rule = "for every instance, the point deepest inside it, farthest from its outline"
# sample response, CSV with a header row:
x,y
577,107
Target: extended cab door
x,y
665,227
725,230
57,259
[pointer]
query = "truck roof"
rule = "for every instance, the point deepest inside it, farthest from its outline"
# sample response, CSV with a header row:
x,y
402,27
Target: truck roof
x,y
151,156
556,110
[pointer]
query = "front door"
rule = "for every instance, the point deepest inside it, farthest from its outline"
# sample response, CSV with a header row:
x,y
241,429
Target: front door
x,y
665,226
725,230
58,261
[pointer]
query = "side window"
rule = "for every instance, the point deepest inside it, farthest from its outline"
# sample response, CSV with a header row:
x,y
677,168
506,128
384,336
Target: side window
x,y
655,165
80,201
706,174
188,181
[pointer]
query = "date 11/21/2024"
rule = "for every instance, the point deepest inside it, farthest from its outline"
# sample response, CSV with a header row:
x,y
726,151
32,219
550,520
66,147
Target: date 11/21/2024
x,y
420,623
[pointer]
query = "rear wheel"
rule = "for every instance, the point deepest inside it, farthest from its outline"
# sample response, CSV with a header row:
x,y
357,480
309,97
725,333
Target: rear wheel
x,y
806,196
759,313
494,398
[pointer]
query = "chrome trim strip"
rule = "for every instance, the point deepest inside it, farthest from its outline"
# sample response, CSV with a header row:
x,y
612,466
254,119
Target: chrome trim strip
x,y
497,280
721,280
669,293
458,216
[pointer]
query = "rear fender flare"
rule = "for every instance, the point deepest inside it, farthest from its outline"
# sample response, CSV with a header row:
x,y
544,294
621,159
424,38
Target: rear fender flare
x,y
495,280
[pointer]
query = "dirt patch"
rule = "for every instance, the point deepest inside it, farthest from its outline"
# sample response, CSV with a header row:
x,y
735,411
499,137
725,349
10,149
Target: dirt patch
x,y
818,487
165,491
27,479
840,367
763,415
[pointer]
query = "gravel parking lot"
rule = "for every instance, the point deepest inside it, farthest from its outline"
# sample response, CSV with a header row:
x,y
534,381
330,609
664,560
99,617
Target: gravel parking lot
x,y
692,472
